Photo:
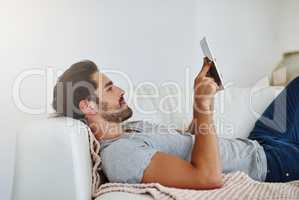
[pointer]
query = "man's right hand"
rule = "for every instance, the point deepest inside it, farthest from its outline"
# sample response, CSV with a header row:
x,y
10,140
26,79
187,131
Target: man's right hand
x,y
205,89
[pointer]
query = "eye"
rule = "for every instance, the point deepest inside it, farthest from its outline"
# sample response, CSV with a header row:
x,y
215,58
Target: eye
x,y
109,89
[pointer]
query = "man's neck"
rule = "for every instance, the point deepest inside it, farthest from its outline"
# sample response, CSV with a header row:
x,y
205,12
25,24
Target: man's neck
x,y
104,130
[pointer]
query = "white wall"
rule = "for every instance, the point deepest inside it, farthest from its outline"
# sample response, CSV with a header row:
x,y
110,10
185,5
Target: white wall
x,y
243,35
289,26
150,40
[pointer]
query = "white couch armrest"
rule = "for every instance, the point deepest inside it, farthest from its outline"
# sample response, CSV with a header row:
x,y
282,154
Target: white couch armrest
x,y
53,161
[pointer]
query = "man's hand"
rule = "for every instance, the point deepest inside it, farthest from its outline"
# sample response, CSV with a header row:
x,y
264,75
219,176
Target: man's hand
x,y
205,89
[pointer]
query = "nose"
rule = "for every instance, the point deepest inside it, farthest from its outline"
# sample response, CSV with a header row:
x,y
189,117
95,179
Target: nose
x,y
122,92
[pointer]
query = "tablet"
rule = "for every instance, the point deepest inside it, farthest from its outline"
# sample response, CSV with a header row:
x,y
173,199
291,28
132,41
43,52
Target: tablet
x,y
214,71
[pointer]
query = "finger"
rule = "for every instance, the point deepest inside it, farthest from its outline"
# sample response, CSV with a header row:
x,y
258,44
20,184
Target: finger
x,y
211,85
204,70
206,60
207,78
211,81
201,80
214,83
206,84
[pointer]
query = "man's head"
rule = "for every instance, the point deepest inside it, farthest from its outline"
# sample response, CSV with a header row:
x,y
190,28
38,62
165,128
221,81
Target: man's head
x,y
83,92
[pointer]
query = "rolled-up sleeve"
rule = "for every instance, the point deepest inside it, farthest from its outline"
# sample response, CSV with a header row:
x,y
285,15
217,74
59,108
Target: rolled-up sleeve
x,y
125,160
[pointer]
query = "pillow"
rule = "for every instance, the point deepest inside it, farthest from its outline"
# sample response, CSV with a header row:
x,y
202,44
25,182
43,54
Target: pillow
x,y
164,105
236,108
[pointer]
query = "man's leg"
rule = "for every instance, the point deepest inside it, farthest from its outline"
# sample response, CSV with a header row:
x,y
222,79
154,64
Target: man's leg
x,y
277,131
281,118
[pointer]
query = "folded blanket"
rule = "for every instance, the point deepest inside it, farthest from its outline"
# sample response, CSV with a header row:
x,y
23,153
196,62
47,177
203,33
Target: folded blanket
x,y
237,185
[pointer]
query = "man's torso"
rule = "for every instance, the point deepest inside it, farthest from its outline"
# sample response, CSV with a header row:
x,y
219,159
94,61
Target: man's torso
x,y
236,154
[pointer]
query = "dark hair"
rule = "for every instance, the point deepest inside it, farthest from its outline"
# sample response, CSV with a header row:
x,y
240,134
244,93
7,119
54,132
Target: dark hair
x,y
74,85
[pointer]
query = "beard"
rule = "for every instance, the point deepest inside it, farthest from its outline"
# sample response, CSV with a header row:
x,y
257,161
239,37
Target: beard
x,y
116,116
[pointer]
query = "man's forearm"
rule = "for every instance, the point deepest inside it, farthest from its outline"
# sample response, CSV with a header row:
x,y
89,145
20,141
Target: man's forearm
x,y
205,153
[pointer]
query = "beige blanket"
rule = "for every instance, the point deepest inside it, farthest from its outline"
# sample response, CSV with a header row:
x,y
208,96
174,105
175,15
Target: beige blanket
x,y
236,186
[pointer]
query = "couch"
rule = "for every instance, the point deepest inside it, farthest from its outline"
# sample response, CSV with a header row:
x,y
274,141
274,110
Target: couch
x,y
52,155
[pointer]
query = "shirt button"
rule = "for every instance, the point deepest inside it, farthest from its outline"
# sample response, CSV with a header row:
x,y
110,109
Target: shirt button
x,y
287,174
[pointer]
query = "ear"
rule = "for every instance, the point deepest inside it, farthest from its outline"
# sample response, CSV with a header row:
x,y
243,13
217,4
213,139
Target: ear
x,y
88,107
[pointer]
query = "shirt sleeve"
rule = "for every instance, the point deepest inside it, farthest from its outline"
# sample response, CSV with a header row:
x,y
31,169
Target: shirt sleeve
x,y
125,160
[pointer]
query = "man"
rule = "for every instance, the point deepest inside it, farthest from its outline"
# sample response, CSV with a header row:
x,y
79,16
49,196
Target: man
x,y
141,152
